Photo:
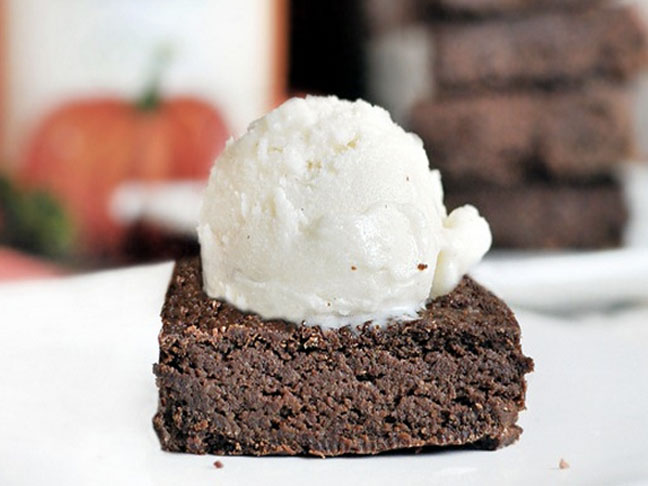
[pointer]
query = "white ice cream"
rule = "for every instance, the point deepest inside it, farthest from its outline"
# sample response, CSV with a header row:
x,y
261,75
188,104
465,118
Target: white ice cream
x,y
326,212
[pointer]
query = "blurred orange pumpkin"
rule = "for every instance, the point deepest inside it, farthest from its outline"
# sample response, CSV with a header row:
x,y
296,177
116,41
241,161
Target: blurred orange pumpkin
x,y
83,150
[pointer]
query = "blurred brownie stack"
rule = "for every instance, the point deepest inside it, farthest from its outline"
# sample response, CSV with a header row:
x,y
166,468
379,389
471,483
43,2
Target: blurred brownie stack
x,y
527,112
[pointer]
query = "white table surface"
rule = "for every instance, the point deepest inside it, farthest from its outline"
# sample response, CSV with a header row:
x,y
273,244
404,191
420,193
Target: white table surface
x,y
78,395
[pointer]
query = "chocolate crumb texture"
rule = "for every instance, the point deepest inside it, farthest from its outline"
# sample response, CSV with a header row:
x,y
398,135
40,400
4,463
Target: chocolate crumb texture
x,y
545,49
517,136
231,383
542,215
563,464
421,266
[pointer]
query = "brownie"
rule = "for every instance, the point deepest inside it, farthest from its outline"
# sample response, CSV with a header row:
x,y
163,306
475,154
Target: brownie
x,y
383,16
545,49
232,383
507,139
146,241
547,216
481,8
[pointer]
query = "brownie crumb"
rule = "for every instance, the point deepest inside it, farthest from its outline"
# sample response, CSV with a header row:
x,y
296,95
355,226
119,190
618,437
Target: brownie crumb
x,y
353,267
421,266
218,465
563,464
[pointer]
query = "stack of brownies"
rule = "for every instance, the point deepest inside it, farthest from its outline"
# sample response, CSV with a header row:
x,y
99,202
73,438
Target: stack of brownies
x,y
527,112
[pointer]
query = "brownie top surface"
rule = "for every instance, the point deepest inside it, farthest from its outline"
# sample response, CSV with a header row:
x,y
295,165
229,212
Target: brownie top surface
x,y
468,308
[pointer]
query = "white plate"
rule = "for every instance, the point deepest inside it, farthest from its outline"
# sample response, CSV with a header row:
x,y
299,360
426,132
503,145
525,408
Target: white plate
x,y
576,280
567,281
78,394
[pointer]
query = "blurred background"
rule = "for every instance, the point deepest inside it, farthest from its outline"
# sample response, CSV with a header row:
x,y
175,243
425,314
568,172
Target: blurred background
x,y
112,113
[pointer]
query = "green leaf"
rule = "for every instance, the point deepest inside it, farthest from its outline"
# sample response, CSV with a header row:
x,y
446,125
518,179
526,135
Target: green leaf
x,y
34,221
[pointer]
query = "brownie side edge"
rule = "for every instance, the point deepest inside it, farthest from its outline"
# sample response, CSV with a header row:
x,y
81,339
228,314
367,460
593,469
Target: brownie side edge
x,y
233,384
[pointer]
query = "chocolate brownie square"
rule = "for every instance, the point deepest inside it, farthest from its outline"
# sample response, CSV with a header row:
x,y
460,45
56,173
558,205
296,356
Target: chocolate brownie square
x,y
546,216
489,8
507,139
545,49
231,383
146,241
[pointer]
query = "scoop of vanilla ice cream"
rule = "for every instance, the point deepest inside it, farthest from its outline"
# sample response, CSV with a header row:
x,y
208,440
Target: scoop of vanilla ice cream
x,y
325,212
